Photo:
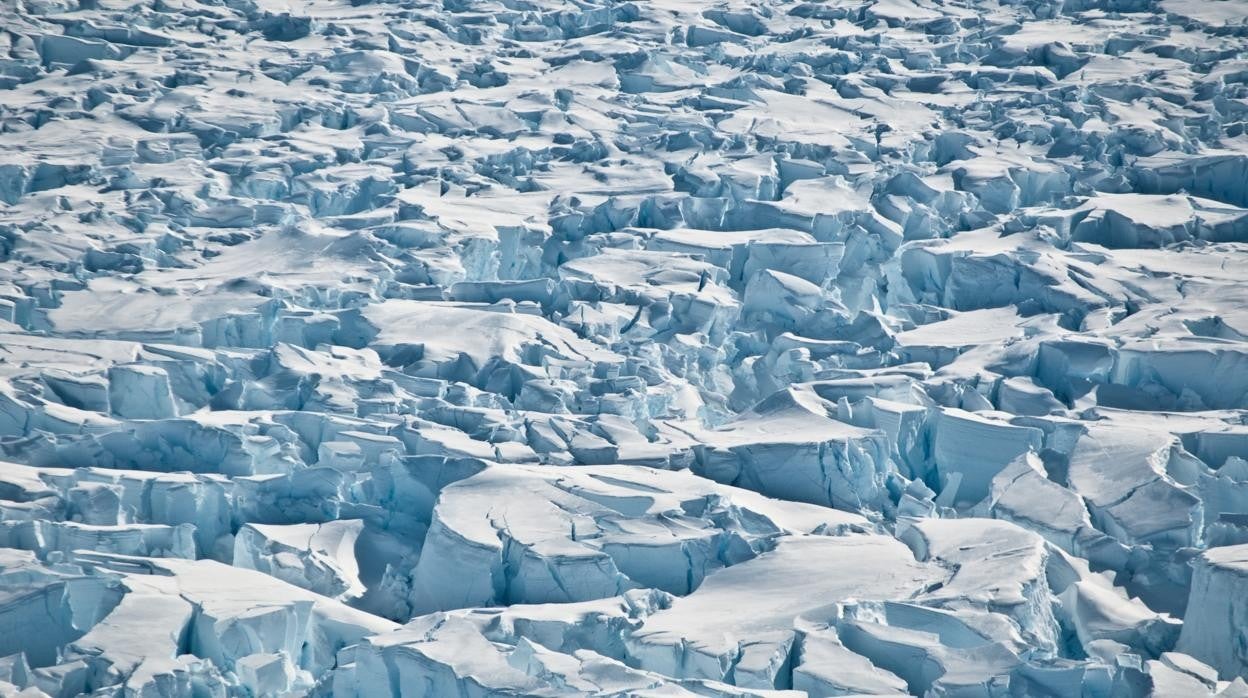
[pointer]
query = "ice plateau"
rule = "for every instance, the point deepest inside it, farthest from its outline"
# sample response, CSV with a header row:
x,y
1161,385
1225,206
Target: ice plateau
x,y
624,348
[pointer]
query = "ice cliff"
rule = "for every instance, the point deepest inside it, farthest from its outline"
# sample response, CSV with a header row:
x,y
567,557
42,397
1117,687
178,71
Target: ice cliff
x,y
651,348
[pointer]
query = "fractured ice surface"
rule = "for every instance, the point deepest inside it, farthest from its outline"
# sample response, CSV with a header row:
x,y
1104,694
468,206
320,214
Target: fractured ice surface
x,y
726,348
533,535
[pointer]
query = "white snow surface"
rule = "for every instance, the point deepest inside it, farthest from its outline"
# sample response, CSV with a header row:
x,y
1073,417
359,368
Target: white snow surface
x,y
624,348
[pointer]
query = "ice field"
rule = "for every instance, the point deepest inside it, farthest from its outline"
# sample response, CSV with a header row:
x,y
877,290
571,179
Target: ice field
x,y
653,348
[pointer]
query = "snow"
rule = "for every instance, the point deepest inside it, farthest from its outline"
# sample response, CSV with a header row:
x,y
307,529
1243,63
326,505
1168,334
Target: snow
x,y
367,348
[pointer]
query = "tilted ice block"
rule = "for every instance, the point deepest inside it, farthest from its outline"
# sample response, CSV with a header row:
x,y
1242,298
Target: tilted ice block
x,y
976,449
818,349
1180,675
440,656
728,250
198,376
1098,611
1215,443
332,379
85,392
788,447
371,448
605,320
14,179
202,501
1219,176
340,455
758,376
463,654
141,644
816,263
519,534
780,299
996,191
689,290
1000,567
1023,494
306,495
1021,395
297,435
1122,471
62,604
173,444
598,626
464,343
1069,367
1227,529
111,33
1224,500
938,343
1213,627
530,572
45,537
933,651
994,565
96,503
906,425
739,624
964,279
432,440
267,673
1137,220
240,612
16,674
825,666
1186,376
316,557
1096,677
103,498
605,438
641,277
23,483
745,252
1004,183
897,387
540,291
21,415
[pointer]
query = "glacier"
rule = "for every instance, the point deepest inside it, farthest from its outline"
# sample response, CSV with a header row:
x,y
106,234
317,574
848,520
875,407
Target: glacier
x,y
624,348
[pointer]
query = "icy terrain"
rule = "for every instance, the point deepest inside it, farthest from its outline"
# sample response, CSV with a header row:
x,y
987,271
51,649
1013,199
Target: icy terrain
x,y
653,348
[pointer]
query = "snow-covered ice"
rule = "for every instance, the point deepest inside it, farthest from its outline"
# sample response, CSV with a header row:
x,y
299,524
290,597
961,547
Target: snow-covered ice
x,y
603,347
